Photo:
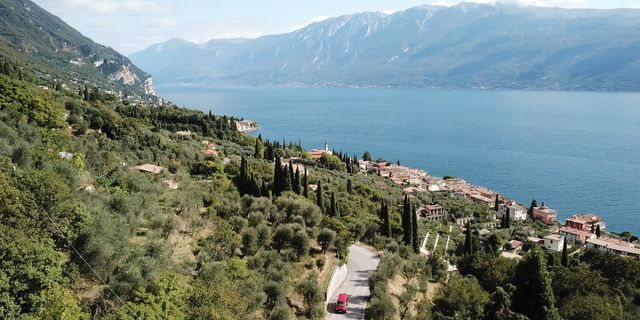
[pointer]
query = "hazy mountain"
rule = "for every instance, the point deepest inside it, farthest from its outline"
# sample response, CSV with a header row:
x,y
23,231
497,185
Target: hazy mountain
x,y
468,45
52,49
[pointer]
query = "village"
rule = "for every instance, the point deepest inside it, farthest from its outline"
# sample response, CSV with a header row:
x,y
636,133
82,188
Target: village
x,y
581,231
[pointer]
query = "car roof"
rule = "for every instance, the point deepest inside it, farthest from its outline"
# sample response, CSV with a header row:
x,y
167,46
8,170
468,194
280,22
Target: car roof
x,y
342,297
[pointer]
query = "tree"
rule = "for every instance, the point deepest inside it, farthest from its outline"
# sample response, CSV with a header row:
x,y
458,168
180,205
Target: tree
x,y
507,219
311,293
386,219
305,184
534,204
406,221
349,186
278,179
333,208
468,240
296,182
414,231
257,152
565,257
497,204
461,298
243,180
326,238
300,243
598,230
282,237
319,200
249,241
366,156
534,296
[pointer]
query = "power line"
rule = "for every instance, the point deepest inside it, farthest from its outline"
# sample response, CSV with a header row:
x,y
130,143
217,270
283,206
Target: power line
x,y
88,265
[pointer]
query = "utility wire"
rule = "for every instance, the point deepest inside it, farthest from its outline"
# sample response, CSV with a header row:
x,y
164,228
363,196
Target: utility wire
x,y
88,265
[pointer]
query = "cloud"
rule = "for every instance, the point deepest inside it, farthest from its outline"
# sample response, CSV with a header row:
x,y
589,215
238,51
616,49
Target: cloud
x,y
110,6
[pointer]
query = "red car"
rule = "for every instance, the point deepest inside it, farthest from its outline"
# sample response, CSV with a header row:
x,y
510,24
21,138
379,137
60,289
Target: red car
x,y
343,303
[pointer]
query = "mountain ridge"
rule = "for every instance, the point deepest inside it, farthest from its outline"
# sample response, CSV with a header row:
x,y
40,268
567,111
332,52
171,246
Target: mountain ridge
x,y
53,50
464,46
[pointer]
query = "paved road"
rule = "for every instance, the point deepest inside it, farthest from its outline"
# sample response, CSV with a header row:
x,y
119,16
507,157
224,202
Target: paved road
x,y
362,262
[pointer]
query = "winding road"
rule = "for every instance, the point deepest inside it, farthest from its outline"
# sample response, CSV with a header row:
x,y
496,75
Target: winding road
x,y
362,262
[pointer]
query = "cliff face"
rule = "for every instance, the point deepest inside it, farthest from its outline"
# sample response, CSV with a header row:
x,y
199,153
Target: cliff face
x,y
52,49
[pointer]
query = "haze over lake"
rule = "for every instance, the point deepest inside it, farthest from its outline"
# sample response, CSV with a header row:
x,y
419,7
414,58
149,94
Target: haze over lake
x,y
576,151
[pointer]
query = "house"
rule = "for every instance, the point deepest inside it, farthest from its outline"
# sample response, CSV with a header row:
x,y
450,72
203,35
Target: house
x,y
516,211
576,234
612,245
413,190
210,153
150,168
317,153
432,212
515,245
585,221
553,242
480,199
245,126
544,214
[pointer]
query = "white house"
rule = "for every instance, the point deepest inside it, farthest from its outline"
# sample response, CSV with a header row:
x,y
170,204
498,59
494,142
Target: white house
x,y
553,242
516,211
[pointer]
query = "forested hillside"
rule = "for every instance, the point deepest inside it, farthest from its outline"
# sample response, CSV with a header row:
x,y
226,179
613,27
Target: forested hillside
x,y
228,230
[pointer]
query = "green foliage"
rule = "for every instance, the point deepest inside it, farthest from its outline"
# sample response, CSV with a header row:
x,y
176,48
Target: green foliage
x,y
461,298
534,296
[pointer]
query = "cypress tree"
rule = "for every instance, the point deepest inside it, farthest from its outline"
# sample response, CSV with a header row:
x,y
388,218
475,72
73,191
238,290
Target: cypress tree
x,y
406,221
386,226
414,231
507,219
334,210
256,152
254,188
319,200
598,231
296,182
277,178
286,180
565,257
534,295
264,190
502,222
349,186
534,204
243,183
497,205
87,96
305,184
468,240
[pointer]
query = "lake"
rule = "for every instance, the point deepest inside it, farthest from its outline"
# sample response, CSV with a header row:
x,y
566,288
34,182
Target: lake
x,y
576,151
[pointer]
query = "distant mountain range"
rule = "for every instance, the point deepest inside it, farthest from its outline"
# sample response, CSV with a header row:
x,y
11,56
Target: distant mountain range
x,y
53,50
464,46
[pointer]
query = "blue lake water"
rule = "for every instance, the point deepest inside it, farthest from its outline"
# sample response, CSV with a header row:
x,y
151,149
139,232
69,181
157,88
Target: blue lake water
x,y
576,151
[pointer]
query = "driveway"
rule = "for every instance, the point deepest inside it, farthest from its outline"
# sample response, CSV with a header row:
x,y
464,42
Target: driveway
x,y
362,262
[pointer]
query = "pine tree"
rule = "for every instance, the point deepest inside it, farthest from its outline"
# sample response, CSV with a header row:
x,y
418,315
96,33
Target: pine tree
x,y
334,209
468,240
565,257
406,221
414,231
305,184
319,200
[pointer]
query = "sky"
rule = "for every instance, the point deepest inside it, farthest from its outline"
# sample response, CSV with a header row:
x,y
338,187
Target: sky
x,y
132,25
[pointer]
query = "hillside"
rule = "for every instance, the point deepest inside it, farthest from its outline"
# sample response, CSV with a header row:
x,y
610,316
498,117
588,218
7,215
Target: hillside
x,y
51,49
464,46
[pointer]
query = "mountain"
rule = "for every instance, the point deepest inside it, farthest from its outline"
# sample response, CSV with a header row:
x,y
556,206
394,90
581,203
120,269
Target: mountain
x,y
52,49
463,46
